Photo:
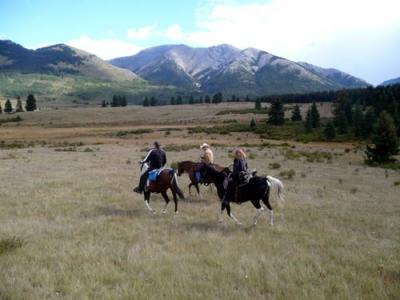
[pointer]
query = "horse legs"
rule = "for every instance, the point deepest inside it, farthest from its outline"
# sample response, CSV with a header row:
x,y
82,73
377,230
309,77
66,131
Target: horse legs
x,y
196,185
228,211
146,202
265,200
259,210
165,196
175,201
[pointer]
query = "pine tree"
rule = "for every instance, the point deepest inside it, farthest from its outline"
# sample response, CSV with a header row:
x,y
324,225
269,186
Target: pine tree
x,y
247,98
308,121
217,98
341,112
18,107
329,131
358,119
103,103
123,101
207,99
252,123
8,106
385,141
296,115
173,101
146,102
1,110
368,123
315,118
257,104
276,113
179,100
30,103
153,101
191,100
233,99
115,101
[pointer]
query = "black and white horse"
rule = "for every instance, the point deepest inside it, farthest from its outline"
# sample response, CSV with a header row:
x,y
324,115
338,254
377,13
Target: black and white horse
x,y
258,189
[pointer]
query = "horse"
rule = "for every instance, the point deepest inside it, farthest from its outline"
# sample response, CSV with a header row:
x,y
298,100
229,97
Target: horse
x,y
191,167
166,179
257,189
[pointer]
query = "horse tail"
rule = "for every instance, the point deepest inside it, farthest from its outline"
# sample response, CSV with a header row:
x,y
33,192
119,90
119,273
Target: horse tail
x,y
175,187
276,185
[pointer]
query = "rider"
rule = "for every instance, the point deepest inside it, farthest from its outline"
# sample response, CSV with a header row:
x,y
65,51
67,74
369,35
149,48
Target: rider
x,y
239,165
207,155
156,159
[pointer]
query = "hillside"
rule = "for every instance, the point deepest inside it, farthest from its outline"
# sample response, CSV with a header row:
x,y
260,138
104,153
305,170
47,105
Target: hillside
x,y
61,75
391,81
231,70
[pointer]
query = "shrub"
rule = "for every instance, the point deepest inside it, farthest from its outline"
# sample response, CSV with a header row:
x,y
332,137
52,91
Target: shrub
x,y
275,165
10,244
289,174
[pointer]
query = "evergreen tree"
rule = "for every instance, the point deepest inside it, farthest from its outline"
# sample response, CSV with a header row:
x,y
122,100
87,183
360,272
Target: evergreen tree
x,y
1,110
276,113
252,123
173,101
8,106
201,99
153,101
103,103
358,119
217,98
115,101
308,121
191,100
315,118
368,123
329,131
385,141
207,99
30,103
19,108
123,101
296,114
247,98
257,104
146,102
233,99
179,100
341,112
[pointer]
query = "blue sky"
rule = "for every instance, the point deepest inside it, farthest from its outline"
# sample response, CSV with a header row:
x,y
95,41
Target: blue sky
x,y
361,37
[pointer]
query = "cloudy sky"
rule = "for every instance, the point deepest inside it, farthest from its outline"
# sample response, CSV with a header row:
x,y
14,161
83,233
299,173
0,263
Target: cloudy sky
x,y
361,37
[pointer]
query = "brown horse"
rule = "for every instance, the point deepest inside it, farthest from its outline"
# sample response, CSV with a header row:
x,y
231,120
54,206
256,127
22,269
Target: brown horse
x,y
191,168
165,180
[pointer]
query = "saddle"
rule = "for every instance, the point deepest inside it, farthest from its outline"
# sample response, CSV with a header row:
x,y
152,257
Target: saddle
x,y
153,175
244,177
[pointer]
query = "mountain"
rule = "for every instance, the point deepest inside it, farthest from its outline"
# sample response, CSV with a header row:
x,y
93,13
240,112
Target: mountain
x,y
58,59
391,81
337,76
230,70
60,75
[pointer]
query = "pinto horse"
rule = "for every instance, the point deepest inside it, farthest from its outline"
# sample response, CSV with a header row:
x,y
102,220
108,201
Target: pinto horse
x,y
165,180
191,167
257,189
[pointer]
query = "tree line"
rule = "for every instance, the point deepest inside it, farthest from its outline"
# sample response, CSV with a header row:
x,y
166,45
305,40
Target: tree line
x,y
30,105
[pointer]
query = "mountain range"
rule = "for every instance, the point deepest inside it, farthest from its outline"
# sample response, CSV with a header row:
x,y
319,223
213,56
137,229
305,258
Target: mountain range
x,y
60,73
391,81
230,70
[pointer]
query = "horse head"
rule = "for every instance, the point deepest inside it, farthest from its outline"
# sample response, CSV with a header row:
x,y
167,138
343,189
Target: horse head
x,y
180,168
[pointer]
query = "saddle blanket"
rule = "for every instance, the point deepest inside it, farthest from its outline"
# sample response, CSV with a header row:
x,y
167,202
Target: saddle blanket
x,y
153,174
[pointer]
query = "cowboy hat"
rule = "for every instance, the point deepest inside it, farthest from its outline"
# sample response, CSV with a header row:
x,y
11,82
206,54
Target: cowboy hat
x,y
204,146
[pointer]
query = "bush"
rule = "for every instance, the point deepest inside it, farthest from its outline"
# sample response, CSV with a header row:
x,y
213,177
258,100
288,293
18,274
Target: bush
x,y
10,244
289,174
275,165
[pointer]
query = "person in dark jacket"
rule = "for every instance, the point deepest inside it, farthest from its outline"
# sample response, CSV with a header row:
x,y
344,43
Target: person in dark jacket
x,y
239,165
156,159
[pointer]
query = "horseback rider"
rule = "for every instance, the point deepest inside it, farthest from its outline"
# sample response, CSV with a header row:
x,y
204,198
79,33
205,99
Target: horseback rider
x,y
156,159
239,166
207,155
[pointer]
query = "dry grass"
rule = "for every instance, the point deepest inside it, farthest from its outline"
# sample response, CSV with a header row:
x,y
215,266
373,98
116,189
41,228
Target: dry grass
x,y
87,236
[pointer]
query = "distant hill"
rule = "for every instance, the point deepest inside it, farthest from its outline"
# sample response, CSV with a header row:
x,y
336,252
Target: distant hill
x,y
231,70
58,59
62,75
391,81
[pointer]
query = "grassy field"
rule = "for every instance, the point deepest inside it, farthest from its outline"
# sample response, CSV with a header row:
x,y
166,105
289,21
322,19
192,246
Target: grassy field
x,y
71,228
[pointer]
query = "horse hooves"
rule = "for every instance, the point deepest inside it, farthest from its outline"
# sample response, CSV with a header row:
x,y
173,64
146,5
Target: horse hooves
x,y
163,212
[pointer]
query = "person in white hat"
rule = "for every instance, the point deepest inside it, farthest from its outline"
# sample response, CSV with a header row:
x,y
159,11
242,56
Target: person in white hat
x,y
207,155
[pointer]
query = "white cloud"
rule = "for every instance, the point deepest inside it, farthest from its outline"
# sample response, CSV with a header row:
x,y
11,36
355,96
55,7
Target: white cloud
x,y
104,48
340,33
174,32
140,33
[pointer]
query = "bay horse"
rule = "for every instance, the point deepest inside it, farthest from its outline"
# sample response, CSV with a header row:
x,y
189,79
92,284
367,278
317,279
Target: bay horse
x,y
257,189
165,180
191,167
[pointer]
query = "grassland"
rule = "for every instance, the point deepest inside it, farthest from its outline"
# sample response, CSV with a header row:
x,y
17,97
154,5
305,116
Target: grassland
x,y
71,228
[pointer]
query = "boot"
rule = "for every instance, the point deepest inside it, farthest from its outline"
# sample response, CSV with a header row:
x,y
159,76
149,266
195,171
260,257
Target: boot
x,y
142,182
